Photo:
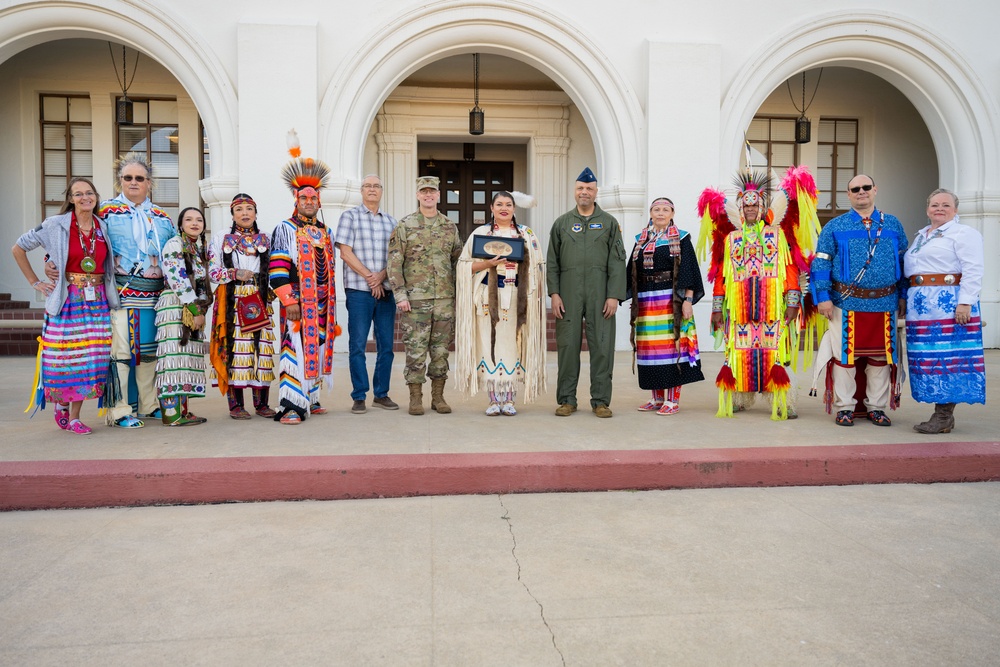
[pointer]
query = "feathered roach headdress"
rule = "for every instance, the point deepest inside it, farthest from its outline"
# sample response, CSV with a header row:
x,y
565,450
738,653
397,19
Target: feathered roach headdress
x,y
303,172
753,187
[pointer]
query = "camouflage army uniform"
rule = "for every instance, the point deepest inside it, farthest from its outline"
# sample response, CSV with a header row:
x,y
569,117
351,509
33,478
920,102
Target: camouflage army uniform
x,y
422,257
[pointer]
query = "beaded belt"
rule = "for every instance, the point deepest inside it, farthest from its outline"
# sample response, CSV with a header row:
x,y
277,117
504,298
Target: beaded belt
x,y
657,276
85,279
863,292
935,279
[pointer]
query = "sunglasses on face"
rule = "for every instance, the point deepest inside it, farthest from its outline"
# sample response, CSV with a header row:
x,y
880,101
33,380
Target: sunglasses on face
x,y
859,188
137,179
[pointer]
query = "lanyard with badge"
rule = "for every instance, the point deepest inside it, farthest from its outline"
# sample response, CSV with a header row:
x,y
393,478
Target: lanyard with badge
x,y
88,263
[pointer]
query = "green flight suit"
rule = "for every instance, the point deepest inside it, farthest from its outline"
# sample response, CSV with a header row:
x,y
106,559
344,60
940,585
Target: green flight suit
x,y
586,266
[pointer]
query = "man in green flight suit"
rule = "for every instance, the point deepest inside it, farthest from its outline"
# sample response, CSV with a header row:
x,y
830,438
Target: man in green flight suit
x,y
423,251
586,280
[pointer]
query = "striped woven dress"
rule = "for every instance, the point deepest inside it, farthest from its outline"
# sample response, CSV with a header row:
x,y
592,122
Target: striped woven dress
x,y
666,349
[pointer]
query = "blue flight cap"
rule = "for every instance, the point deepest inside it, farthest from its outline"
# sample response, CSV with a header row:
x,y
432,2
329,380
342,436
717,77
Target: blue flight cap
x,y
586,176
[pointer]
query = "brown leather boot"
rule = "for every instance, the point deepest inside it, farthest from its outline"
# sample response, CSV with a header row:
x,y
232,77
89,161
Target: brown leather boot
x,y
942,421
437,396
416,399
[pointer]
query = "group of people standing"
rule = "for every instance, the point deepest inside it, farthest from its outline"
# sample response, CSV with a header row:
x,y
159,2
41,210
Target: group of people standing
x,y
128,293
862,275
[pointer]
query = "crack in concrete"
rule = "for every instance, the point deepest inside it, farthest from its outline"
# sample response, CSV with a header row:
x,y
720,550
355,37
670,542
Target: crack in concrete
x,y
541,608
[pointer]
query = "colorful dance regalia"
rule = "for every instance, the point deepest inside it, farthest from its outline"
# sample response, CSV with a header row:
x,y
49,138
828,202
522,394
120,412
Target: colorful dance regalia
x,y
180,352
137,234
859,267
240,359
76,338
500,321
755,269
945,358
661,268
302,258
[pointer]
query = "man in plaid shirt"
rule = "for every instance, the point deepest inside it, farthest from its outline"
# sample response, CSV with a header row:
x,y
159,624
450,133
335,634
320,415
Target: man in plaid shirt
x,y
363,240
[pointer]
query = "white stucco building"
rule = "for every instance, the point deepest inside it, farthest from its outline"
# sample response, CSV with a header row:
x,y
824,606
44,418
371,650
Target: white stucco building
x,y
656,97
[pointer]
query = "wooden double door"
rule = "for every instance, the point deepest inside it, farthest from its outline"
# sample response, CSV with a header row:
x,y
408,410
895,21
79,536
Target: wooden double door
x,y
467,189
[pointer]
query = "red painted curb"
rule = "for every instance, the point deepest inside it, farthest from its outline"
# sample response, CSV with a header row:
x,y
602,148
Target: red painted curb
x,y
132,482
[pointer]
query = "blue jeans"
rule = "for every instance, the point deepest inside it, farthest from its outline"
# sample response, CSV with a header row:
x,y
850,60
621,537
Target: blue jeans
x,y
363,310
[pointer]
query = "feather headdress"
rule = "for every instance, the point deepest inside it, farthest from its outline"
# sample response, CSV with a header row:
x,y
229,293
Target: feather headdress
x,y
303,172
522,200
753,187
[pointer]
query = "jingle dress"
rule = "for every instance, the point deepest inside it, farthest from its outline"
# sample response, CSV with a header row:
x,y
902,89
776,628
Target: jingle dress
x,y
666,346
500,320
239,360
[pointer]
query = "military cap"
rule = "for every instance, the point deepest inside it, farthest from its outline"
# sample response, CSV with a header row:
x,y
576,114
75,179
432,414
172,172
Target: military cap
x,y
428,182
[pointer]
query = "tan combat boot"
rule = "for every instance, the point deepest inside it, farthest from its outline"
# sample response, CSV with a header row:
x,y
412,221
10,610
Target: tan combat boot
x,y
437,396
416,399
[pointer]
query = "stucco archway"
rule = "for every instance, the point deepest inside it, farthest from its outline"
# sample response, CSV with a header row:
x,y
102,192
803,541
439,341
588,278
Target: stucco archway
x,y
162,36
513,29
937,80
944,88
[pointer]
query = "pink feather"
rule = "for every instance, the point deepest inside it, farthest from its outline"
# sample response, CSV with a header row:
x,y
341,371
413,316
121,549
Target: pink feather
x,y
799,177
715,201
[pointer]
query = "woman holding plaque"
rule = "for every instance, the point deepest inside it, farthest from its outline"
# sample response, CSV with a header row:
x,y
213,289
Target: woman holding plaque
x,y
76,338
500,309
242,345
664,282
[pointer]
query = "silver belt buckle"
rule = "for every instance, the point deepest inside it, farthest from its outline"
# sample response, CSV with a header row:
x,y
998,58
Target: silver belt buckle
x,y
949,279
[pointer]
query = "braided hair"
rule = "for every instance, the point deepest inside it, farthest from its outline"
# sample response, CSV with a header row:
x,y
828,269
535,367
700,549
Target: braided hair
x,y
202,291
262,275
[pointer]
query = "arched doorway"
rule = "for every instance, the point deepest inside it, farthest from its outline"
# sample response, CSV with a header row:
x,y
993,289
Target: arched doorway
x,y
943,89
606,104
159,36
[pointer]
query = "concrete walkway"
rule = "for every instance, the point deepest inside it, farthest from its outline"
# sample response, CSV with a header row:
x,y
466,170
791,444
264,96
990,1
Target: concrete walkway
x,y
865,575
392,454
468,430
861,575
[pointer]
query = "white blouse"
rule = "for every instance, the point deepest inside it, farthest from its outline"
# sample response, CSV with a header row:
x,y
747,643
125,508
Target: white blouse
x,y
951,248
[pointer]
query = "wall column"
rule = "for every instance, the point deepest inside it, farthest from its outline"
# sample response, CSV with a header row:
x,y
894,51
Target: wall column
x,y
397,166
549,182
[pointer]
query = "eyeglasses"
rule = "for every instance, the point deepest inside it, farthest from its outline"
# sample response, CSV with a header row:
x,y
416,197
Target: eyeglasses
x,y
859,188
371,186
128,178
80,195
